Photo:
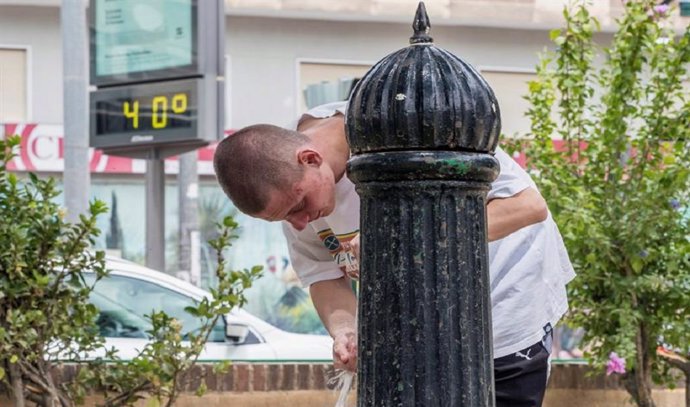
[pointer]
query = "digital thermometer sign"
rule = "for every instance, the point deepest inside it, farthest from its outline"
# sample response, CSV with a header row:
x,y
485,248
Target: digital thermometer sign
x,y
159,69
148,114
144,113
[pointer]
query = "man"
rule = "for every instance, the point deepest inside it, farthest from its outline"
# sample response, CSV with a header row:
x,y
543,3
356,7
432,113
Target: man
x,y
298,177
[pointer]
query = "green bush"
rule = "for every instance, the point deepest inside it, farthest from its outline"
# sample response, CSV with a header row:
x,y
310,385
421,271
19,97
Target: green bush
x,y
44,310
618,186
46,318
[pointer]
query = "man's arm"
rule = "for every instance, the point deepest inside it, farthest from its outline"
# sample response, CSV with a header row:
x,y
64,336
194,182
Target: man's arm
x,y
507,215
336,304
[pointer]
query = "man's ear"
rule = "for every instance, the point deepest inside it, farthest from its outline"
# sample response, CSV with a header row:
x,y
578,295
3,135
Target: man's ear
x,y
308,156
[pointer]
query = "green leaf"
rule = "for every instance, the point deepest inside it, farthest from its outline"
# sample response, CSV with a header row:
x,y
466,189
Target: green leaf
x,y
153,402
193,311
637,264
669,159
201,390
13,359
229,222
2,373
553,34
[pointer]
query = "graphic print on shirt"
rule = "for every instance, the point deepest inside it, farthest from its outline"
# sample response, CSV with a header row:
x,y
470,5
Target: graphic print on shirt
x,y
344,259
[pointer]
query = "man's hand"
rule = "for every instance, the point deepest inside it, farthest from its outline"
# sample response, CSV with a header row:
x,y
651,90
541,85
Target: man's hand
x,y
345,351
336,304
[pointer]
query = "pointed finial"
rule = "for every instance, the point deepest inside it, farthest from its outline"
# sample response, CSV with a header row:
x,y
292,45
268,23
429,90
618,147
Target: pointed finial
x,y
421,26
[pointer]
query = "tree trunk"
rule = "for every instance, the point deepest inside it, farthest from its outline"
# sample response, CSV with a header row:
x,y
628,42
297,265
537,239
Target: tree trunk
x,y
52,400
640,392
638,382
53,396
17,385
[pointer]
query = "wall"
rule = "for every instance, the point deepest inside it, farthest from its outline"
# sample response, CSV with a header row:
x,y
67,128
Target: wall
x,y
305,385
39,29
263,54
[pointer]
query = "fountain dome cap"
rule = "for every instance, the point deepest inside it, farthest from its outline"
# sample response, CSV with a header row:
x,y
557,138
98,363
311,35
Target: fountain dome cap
x,y
422,98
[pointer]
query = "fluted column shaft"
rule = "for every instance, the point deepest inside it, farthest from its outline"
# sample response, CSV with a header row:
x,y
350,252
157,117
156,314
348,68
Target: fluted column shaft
x,y
424,309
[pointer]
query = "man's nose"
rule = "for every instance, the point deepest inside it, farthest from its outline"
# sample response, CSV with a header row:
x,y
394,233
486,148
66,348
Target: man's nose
x,y
299,221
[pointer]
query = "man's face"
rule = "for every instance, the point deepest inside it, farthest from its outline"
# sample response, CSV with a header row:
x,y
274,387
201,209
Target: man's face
x,y
308,199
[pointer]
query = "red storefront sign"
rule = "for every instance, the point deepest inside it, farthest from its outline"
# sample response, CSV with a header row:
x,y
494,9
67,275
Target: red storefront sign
x,y
42,150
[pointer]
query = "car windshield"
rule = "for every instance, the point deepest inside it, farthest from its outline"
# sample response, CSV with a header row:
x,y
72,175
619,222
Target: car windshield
x,y
125,303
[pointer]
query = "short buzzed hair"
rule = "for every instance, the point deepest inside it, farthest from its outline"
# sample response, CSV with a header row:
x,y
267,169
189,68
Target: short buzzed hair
x,y
255,160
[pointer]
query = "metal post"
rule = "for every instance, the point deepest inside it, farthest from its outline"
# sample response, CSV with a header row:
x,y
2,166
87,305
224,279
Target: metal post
x,y
188,180
76,177
421,125
155,212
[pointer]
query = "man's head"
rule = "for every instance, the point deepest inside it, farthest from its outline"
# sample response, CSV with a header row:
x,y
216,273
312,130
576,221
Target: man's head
x,y
275,174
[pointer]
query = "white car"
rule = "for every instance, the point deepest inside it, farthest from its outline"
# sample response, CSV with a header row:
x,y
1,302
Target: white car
x,y
132,291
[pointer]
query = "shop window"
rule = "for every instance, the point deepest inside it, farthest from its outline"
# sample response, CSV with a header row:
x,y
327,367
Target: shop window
x,y
510,89
13,85
327,82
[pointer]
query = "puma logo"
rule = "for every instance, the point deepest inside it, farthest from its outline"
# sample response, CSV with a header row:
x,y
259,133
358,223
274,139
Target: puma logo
x,y
522,355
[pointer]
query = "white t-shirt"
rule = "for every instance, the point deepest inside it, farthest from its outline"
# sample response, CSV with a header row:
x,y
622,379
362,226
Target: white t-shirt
x,y
528,268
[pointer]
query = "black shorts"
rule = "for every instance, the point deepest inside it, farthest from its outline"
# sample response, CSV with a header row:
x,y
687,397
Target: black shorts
x,y
521,377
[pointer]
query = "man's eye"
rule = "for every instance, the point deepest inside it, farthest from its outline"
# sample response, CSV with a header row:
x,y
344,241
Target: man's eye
x,y
297,208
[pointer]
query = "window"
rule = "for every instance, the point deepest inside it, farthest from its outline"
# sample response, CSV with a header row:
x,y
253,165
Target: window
x,y
13,85
327,82
510,89
124,303
116,321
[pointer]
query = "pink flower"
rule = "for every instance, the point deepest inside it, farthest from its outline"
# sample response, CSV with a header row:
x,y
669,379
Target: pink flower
x,y
616,364
661,9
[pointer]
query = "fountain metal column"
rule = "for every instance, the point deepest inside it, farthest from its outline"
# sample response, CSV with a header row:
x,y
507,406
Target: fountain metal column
x,y
422,125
